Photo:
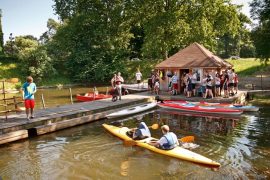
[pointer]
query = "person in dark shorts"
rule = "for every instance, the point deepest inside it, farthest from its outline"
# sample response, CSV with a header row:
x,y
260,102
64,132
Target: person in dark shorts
x,y
225,84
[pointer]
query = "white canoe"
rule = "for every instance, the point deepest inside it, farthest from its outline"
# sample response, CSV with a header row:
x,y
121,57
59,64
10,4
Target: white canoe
x,y
245,108
132,110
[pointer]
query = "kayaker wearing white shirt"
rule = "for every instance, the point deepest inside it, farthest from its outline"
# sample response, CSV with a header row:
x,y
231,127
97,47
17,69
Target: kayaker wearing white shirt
x,y
167,141
139,133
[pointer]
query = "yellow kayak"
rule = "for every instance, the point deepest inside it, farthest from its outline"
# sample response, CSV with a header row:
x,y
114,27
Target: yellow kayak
x,y
177,152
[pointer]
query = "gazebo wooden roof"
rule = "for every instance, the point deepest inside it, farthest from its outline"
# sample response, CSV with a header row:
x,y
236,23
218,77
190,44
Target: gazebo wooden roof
x,y
195,55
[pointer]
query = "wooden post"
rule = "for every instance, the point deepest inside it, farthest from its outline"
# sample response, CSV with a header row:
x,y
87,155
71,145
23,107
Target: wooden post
x,y
43,102
261,81
107,90
15,103
5,102
70,93
94,94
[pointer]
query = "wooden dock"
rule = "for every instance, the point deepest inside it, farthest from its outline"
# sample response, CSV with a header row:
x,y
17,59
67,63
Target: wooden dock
x,y
52,119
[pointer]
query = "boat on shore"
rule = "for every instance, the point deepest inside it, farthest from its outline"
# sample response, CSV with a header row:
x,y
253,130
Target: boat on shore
x,y
91,97
177,152
184,106
132,110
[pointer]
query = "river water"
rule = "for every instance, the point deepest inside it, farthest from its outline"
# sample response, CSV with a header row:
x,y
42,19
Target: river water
x,y
240,144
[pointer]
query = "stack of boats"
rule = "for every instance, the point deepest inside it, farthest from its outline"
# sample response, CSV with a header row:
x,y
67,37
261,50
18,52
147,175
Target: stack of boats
x,y
205,107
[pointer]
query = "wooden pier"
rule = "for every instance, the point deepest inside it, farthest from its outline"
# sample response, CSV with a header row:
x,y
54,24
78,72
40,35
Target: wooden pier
x,y
17,127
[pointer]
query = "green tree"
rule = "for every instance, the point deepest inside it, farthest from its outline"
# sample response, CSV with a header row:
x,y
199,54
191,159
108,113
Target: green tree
x,y
1,35
171,25
260,10
36,62
103,34
52,26
96,37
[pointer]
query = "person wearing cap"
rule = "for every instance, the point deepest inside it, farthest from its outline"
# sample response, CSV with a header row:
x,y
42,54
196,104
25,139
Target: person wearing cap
x,y
167,141
141,132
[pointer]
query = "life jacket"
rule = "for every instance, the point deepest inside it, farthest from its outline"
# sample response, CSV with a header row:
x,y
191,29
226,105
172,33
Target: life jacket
x,y
142,131
118,80
170,141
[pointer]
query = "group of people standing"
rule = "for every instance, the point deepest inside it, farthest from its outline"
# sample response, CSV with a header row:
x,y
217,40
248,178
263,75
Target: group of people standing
x,y
211,85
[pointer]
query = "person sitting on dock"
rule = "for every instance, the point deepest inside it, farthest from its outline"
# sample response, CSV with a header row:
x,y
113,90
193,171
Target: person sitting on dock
x,y
167,141
139,133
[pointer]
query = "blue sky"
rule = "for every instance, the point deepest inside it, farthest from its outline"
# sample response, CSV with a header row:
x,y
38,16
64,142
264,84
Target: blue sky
x,y
29,17
23,17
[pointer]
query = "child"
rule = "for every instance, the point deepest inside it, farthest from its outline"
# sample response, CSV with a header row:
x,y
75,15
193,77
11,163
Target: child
x,y
156,87
29,89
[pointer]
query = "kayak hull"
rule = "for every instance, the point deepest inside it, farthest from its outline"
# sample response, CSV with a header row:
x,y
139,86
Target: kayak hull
x,y
229,106
178,152
91,97
132,110
199,109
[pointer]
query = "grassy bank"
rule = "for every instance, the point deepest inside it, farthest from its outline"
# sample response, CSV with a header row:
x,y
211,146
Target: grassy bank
x,y
10,70
263,99
248,66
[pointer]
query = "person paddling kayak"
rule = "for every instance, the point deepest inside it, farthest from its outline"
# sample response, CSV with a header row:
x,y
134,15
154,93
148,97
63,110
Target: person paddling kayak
x,y
167,141
139,133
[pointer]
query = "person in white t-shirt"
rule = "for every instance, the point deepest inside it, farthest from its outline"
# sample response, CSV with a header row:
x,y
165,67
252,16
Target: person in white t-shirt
x,y
167,141
175,80
138,77
217,82
193,82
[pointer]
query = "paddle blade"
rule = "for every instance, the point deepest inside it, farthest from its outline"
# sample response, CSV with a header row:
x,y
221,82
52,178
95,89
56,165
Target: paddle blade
x,y
154,126
130,143
187,139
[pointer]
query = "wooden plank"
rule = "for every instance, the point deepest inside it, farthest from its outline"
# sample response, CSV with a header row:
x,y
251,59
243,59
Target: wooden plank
x,y
68,123
13,136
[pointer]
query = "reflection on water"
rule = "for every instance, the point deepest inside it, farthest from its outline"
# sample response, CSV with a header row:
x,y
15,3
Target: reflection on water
x,y
241,145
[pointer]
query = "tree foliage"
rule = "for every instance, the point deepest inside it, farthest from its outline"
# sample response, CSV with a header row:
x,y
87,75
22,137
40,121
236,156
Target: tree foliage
x,y
37,63
94,39
1,35
261,34
97,35
32,56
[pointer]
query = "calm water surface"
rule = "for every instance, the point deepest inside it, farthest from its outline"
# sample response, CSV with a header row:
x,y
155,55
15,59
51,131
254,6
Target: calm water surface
x,y
55,97
241,145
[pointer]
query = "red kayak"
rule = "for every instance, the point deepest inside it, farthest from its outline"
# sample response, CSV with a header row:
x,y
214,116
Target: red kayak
x,y
92,97
183,106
